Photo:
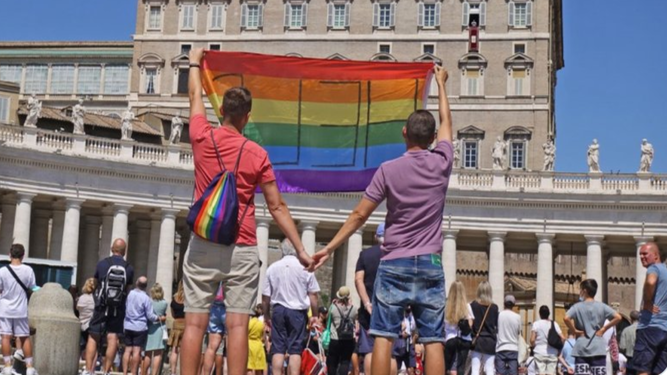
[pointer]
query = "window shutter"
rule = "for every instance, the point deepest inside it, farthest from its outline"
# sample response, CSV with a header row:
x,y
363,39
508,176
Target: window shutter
x,y
347,14
482,13
437,13
466,14
260,10
529,13
376,14
244,15
420,15
288,10
510,16
304,14
330,14
392,16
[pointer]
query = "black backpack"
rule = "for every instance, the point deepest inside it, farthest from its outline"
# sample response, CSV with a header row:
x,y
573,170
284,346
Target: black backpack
x,y
111,292
553,338
345,329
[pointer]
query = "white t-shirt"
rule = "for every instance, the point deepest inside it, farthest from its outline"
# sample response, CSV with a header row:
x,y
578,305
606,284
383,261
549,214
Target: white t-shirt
x,y
288,284
13,300
509,330
541,329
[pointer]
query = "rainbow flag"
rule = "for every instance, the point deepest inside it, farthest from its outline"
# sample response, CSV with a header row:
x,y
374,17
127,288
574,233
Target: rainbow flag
x,y
326,124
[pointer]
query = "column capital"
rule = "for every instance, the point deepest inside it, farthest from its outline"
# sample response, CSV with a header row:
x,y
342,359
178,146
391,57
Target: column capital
x,y
497,236
264,222
450,234
25,197
122,208
545,237
93,220
74,203
641,240
594,239
169,213
308,224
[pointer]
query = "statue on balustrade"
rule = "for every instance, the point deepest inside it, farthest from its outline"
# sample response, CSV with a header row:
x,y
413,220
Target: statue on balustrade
x,y
176,129
126,126
34,112
499,153
457,153
549,155
647,156
78,111
594,157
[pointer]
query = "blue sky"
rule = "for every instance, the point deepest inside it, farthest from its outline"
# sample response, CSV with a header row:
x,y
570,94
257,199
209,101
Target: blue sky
x,y
613,86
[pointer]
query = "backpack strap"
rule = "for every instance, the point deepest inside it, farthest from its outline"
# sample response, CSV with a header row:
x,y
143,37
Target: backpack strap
x,y
238,158
16,277
221,163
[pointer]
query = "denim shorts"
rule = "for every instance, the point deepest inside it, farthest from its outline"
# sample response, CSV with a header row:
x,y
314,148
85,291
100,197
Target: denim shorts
x,y
418,282
216,321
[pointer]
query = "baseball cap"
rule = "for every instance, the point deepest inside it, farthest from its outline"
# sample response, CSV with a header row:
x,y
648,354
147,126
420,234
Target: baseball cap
x,y
510,298
380,231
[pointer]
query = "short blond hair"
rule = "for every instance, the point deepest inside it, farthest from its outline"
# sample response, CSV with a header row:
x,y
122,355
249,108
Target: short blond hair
x,y
89,286
157,293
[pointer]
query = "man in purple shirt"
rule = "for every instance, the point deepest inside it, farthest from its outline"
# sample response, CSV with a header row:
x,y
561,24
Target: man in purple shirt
x,y
138,312
410,274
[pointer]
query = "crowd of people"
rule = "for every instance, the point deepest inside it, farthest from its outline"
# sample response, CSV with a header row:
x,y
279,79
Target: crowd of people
x,y
405,318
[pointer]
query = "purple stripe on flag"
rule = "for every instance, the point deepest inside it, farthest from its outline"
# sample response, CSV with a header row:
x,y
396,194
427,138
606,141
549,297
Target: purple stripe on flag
x,y
304,181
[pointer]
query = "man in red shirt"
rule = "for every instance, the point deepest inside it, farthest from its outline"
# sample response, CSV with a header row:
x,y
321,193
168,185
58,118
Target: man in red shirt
x,y
206,263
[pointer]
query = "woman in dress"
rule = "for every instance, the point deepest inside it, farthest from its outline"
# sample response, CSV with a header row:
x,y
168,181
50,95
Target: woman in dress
x,y
177,328
256,354
155,342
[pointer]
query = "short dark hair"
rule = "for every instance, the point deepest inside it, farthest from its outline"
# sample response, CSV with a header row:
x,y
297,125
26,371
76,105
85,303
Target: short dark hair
x,y
420,128
544,312
17,251
509,304
590,286
236,104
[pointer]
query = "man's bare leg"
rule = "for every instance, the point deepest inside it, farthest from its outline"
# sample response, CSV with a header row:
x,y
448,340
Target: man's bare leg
x,y
195,327
214,340
134,361
26,345
381,361
435,358
112,348
219,364
7,349
294,365
277,362
237,343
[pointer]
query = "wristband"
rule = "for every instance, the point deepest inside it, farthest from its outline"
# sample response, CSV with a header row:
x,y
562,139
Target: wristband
x,y
195,66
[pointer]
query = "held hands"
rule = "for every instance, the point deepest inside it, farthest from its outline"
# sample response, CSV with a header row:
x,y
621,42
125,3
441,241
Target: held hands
x,y
306,260
321,257
440,75
195,55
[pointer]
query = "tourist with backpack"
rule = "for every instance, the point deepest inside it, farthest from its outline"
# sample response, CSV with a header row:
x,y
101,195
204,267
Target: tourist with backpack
x,y
114,277
289,291
546,339
16,283
223,247
343,314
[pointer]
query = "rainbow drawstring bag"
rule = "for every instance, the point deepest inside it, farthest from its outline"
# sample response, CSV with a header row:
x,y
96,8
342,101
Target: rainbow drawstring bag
x,y
215,215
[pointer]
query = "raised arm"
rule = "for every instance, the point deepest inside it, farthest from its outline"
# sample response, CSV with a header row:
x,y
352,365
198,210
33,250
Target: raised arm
x,y
194,83
445,130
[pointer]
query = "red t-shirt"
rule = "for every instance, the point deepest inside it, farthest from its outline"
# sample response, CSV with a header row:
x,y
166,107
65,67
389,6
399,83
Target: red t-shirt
x,y
254,168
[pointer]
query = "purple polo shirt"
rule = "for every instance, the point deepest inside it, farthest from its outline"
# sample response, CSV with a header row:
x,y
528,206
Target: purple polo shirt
x,y
415,186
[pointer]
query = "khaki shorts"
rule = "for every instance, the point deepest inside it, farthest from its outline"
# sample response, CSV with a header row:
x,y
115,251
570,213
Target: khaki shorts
x,y
546,364
207,264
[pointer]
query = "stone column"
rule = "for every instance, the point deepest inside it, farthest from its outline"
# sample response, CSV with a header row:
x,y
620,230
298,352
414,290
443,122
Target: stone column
x,y
107,233
545,271
90,248
165,260
594,262
153,248
141,248
263,225
70,244
121,212
22,220
308,235
640,275
354,247
449,256
39,234
57,229
497,266
7,223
